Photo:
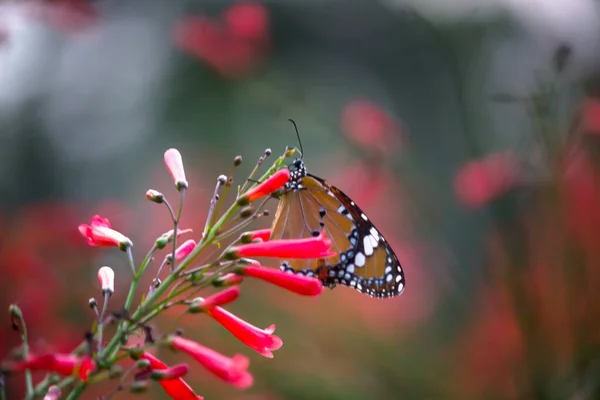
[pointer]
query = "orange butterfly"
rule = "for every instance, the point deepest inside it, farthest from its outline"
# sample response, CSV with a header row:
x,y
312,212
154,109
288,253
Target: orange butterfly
x,y
364,261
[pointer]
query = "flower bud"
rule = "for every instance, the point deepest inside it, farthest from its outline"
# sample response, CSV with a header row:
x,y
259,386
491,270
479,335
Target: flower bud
x,y
155,196
136,352
167,237
115,371
227,280
106,276
142,363
267,152
139,386
237,161
246,212
174,164
53,393
92,303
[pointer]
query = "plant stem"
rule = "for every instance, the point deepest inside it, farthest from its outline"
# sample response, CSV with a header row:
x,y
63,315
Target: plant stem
x,y
101,321
130,259
28,380
76,392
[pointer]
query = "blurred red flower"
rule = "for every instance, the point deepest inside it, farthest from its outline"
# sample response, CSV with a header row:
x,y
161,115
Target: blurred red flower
x,y
480,181
232,47
369,126
590,115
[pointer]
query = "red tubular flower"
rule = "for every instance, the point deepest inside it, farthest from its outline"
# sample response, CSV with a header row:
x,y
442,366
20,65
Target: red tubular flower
x,y
184,250
174,164
270,185
220,299
228,280
304,285
313,247
260,340
232,370
263,234
176,388
63,364
99,233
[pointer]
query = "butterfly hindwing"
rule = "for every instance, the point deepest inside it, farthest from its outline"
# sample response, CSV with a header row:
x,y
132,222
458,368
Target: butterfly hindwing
x,y
364,259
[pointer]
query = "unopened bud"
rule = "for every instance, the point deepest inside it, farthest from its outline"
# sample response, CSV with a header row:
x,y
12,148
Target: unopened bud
x,y
237,161
247,212
15,316
142,364
53,393
266,213
267,152
139,386
156,283
92,303
155,196
222,179
106,276
167,237
136,352
115,371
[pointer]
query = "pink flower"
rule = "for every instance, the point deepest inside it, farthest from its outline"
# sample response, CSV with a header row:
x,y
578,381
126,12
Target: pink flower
x,y
313,247
480,181
590,115
176,388
367,125
304,285
232,370
106,277
270,185
63,364
99,233
220,299
174,164
184,250
53,393
260,340
248,21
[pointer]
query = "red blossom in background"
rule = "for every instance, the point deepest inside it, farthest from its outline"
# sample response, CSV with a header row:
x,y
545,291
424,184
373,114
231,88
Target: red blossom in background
x,y
261,340
590,115
232,370
233,47
303,285
176,388
99,233
480,181
313,247
63,364
368,126
270,185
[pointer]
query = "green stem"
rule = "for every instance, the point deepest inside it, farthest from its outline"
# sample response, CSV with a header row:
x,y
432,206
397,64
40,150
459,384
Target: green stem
x,y
76,392
175,224
28,379
101,321
130,259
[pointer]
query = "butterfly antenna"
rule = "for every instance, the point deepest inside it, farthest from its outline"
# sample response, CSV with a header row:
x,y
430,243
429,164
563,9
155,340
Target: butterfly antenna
x,y
298,135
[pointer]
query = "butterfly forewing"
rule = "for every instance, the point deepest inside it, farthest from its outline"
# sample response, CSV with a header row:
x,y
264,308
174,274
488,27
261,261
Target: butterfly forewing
x,y
364,259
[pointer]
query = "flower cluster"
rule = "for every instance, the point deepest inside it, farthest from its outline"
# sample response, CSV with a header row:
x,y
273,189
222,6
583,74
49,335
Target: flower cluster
x,y
176,285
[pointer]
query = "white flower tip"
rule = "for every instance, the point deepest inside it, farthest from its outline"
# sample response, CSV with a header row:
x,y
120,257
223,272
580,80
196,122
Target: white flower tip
x,y
106,277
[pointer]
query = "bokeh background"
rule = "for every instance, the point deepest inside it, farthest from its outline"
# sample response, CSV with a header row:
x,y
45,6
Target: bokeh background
x,y
468,130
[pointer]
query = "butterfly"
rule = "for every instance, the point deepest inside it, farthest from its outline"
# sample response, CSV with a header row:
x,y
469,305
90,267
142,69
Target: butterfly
x,y
364,261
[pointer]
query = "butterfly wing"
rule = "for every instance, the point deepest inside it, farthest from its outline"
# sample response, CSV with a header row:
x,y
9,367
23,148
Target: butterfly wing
x,y
364,259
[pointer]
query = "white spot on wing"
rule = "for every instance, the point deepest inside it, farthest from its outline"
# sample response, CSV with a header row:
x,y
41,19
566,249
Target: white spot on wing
x,y
367,245
374,241
350,268
363,215
360,259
